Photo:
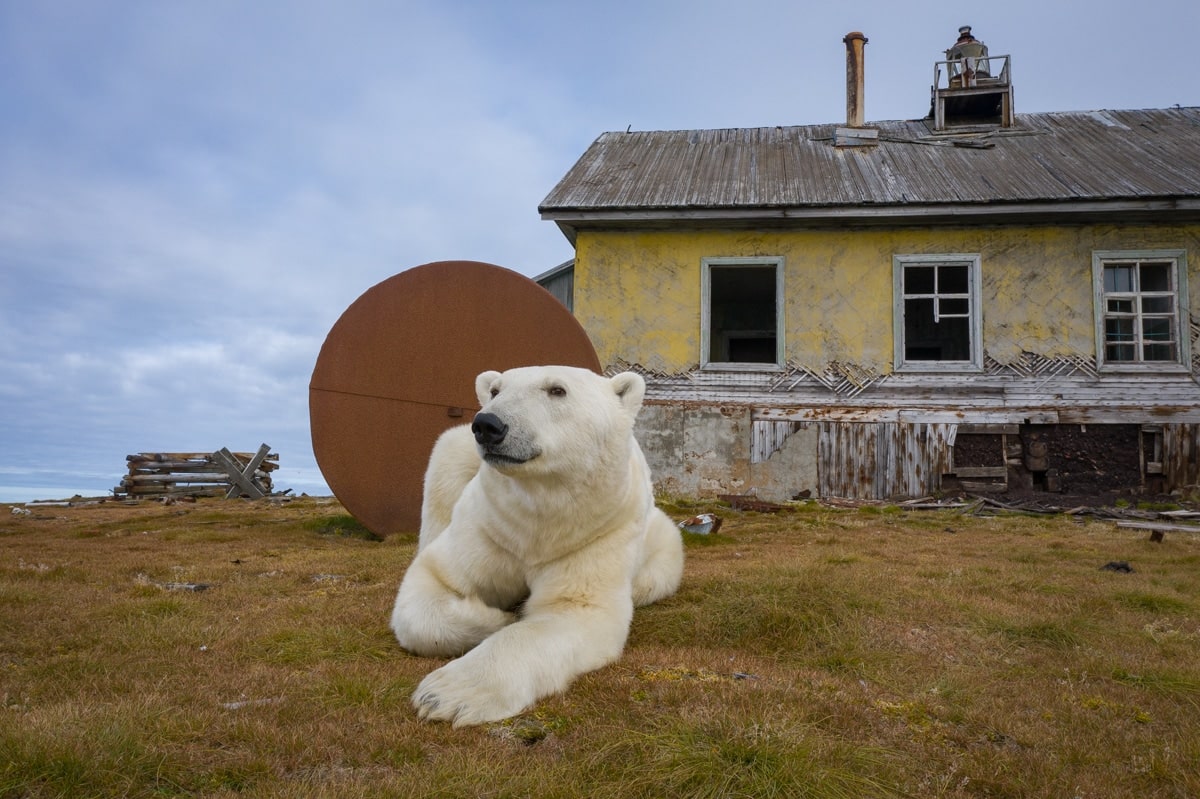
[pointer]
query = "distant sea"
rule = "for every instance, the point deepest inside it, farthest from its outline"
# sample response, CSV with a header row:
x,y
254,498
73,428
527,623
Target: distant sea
x,y
58,487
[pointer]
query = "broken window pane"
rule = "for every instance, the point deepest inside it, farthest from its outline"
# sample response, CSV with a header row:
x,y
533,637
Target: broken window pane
x,y
954,307
1155,277
920,279
952,279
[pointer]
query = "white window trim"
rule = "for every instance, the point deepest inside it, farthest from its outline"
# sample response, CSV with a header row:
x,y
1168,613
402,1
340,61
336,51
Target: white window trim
x,y
706,265
974,277
1182,327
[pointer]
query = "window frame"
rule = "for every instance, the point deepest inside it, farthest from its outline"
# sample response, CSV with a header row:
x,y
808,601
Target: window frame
x,y
973,262
759,261
1178,270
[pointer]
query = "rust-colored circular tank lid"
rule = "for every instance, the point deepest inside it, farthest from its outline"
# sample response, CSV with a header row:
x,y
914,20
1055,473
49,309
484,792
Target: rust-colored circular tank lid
x,y
399,367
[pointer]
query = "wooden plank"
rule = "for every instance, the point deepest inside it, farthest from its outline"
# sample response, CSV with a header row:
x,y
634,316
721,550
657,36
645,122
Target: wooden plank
x,y
981,471
149,479
249,472
1161,526
973,486
781,414
225,458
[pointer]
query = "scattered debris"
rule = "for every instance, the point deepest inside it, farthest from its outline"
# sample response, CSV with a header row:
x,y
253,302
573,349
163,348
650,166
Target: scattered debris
x,y
703,524
143,579
1157,529
1117,566
22,512
250,703
750,502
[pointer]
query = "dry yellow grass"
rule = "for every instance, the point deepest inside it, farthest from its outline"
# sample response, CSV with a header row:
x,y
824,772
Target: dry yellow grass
x,y
822,652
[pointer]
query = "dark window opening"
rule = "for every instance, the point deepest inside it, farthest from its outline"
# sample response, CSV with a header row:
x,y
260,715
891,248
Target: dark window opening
x,y
742,314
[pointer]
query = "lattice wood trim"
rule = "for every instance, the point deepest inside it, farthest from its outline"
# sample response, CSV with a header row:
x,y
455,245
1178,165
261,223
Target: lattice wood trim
x,y
1194,335
843,379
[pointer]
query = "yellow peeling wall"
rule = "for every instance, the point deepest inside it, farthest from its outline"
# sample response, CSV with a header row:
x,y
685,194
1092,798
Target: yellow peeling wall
x,y
638,293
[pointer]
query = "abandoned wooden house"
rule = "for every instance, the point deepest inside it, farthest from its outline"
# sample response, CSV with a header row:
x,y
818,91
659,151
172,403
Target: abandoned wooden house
x,y
977,298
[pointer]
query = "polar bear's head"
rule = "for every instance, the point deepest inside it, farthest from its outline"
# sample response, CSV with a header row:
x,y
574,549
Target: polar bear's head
x,y
555,419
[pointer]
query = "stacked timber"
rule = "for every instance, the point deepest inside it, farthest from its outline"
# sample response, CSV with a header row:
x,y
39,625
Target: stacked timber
x,y
199,474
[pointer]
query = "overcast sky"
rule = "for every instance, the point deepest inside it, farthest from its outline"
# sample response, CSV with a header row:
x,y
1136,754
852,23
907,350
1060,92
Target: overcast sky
x,y
191,193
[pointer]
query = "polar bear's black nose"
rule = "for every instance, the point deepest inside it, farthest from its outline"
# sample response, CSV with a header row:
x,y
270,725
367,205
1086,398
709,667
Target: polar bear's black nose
x,y
489,429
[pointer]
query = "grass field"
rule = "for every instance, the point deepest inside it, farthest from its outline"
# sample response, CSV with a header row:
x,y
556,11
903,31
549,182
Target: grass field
x,y
230,648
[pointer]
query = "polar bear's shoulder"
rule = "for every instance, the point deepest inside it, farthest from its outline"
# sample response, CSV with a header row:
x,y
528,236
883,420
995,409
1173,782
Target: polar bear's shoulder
x,y
452,463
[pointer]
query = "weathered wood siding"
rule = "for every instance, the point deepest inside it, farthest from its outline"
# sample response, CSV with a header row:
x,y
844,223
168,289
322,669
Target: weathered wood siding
x,y
1181,453
881,460
767,438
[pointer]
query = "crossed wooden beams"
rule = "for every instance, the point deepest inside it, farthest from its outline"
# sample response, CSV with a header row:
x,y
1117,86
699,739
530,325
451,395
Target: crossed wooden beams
x,y
241,478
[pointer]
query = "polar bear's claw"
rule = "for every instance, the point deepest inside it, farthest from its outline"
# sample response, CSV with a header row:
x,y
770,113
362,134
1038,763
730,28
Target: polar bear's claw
x,y
459,694
426,703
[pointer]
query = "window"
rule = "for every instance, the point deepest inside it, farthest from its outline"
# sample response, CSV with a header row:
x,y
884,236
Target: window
x,y
741,324
1140,309
937,321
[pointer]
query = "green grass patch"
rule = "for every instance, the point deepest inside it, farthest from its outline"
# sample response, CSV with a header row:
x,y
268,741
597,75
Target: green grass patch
x,y
1055,634
324,644
341,525
1152,603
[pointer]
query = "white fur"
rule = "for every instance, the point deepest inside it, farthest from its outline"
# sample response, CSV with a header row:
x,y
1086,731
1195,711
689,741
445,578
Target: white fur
x,y
533,551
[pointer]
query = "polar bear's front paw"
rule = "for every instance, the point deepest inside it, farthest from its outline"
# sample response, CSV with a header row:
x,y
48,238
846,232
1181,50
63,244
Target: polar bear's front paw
x,y
464,695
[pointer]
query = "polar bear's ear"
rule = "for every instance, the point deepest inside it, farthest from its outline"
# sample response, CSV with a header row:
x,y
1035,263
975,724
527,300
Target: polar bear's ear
x,y
630,389
483,386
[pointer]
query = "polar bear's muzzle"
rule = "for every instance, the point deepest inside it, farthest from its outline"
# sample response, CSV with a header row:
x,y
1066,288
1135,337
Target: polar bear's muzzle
x,y
495,445
489,429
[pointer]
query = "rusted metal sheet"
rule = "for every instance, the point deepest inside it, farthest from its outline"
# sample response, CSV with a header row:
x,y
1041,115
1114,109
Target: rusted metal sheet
x,y
791,172
399,367
882,460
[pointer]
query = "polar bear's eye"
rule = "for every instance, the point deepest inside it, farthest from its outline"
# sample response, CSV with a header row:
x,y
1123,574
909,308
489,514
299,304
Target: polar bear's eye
x,y
495,391
556,391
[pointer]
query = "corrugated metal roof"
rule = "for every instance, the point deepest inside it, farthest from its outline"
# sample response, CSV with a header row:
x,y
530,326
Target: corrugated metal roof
x,y
1064,157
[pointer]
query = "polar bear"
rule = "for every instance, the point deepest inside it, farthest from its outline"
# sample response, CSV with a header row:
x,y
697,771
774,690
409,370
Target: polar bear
x,y
539,535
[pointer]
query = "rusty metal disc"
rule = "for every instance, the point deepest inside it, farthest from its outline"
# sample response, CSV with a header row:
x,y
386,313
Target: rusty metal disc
x,y
399,367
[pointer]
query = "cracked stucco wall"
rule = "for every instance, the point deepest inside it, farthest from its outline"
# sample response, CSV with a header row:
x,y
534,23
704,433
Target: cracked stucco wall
x,y
637,293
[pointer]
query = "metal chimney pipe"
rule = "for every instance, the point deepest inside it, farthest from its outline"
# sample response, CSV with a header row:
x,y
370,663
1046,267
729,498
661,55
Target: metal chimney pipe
x,y
855,78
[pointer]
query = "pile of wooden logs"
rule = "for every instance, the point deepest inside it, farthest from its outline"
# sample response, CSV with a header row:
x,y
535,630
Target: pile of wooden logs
x,y
199,474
